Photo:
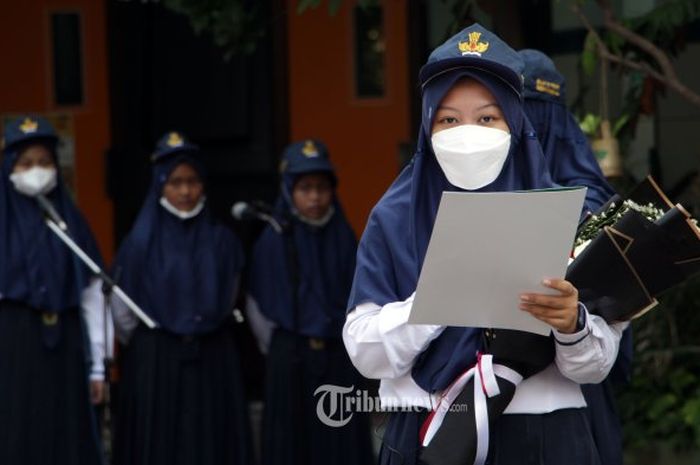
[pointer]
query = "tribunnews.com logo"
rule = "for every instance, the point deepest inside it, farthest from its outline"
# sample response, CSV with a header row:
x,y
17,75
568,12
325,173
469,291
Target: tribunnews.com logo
x,y
337,404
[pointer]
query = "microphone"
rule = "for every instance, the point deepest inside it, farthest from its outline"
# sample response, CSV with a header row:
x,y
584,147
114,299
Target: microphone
x,y
243,211
51,212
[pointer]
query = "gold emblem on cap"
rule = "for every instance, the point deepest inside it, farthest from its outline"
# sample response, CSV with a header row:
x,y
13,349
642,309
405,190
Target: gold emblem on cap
x,y
310,149
547,87
473,46
49,319
28,126
175,140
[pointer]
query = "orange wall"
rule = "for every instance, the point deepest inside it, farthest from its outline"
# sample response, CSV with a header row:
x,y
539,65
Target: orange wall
x,y
26,86
362,136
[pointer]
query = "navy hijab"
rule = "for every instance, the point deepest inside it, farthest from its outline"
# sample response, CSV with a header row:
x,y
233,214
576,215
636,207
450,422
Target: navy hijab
x,y
393,246
325,257
183,273
36,268
567,152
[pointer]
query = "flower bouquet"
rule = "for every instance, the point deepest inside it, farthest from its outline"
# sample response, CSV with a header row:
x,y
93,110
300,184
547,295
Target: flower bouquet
x,y
631,250
627,253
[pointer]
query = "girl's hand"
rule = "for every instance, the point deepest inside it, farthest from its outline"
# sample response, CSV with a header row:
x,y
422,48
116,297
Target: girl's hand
x,y
558,311
97,392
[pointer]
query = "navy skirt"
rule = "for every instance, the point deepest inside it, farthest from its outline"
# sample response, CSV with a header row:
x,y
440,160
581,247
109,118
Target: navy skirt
x,y
560,437
605,421
45,412
181,401
293,434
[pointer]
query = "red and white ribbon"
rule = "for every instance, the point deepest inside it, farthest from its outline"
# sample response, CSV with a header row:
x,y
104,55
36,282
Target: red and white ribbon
x,y
485,385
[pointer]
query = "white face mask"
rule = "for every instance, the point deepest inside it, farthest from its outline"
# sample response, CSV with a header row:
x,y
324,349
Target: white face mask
x,y
319,222
183,215
34,181
471,156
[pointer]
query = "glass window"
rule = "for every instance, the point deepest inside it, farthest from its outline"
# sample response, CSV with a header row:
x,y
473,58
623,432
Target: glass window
x,y
369,51
67,57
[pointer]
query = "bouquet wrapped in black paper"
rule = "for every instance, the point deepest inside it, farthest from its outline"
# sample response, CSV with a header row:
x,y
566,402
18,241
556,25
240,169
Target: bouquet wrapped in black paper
x,y
625,255
631,250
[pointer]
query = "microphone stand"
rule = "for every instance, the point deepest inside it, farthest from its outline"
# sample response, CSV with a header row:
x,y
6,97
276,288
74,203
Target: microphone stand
x,y
95,268
287,232
269,219
108,362
109,287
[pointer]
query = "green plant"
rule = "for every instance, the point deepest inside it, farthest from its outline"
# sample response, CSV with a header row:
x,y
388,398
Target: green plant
x,y
234,25
662,403
646,44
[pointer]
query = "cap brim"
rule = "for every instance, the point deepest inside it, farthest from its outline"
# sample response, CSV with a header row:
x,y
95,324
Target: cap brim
x,y
437,68
185,148
52,138
529,94
311,167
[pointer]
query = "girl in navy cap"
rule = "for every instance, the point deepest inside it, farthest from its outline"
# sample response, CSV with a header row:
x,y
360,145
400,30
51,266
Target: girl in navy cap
x,y
300,280
572,163
568,156
51,312
181,399
473,137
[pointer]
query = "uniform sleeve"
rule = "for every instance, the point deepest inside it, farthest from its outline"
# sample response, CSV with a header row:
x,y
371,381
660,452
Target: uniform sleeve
x,y
125,321
588,355
92,304
380,342
261,326
576,165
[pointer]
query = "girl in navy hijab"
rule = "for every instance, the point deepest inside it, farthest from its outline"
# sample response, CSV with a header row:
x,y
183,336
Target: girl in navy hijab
x,y
300,281
181,399
51,314
474,137
566,150
571,162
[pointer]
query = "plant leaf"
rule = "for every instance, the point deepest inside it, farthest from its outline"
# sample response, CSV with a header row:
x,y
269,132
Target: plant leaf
x,y
589,55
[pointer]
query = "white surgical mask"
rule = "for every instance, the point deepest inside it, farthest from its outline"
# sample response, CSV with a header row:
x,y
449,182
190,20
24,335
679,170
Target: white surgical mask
x,y
34,181
183,215
319,222
471,156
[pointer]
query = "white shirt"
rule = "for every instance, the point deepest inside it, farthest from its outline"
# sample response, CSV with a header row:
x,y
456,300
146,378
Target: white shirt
x,y
382,345
261,326
92,305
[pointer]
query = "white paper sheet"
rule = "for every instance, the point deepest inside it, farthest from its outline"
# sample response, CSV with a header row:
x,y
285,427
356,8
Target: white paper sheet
x,y
488,248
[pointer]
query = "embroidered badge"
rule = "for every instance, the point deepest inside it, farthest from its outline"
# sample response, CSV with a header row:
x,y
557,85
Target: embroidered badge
x,y
29,126
473,46
175,140
309,149
547,87
49,319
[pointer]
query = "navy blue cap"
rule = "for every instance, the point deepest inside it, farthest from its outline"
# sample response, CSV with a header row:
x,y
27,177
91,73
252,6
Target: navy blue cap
x,y
27,128
542,80
171,143
306,156
476,47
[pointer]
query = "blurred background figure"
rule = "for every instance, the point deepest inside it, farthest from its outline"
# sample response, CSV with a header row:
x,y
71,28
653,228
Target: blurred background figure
x,y
299,284
570,159
51,311
571,163
182,399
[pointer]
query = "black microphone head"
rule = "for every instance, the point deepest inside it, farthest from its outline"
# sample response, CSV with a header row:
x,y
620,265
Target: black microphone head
x,y
261,206
242,211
